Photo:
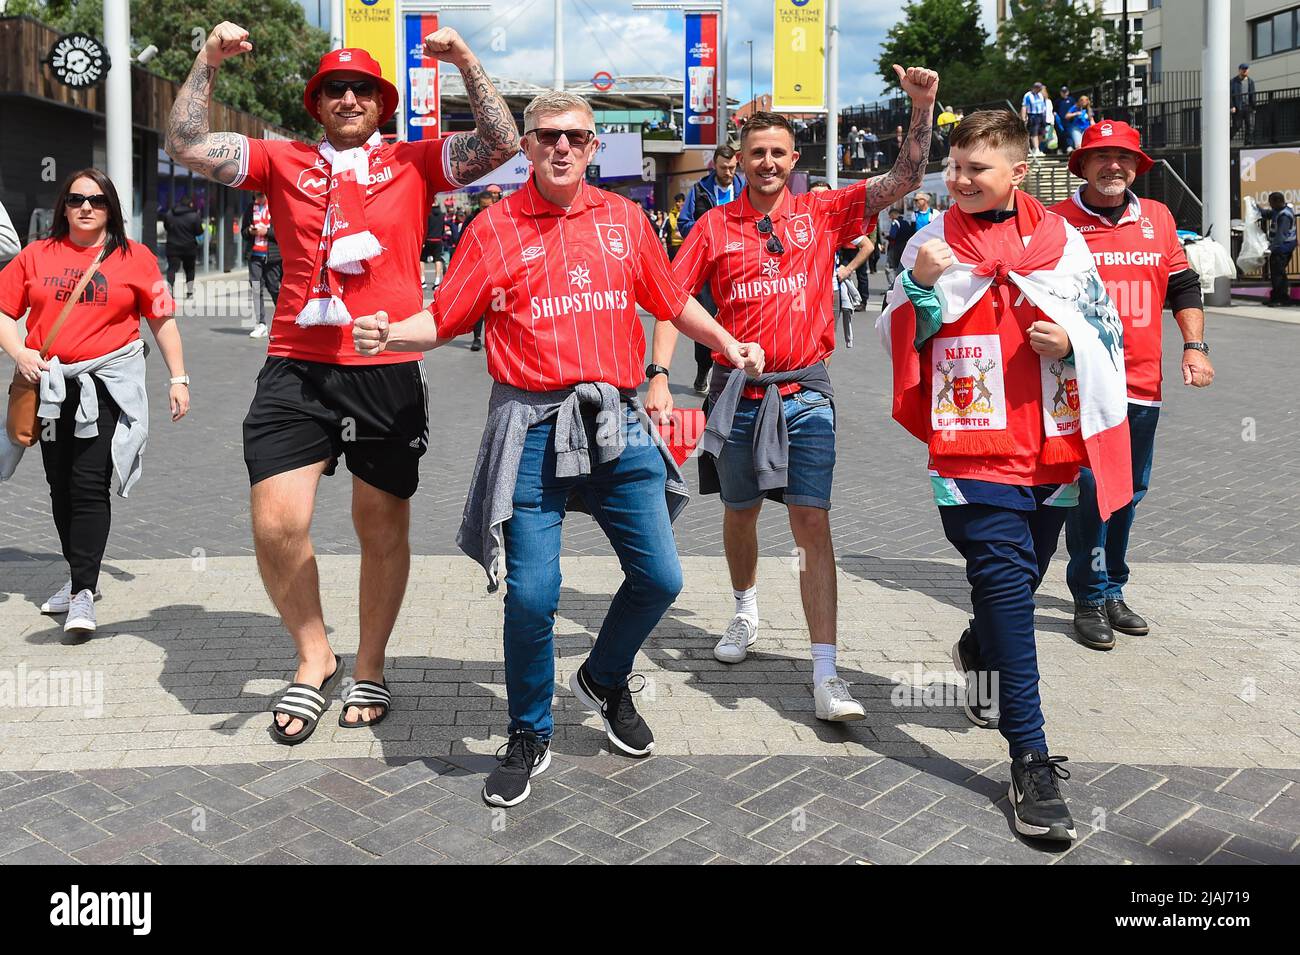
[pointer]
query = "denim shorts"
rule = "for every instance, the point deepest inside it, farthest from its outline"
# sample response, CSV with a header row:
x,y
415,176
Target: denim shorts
x,y
810,421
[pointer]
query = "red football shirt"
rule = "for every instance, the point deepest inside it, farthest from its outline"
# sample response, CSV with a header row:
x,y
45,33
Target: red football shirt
x,y
782,302
560,289
124,289
1135,258
404,179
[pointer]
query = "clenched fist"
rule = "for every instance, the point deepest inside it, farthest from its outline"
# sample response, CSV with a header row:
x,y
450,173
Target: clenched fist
x,y
920,84
447,45
932,258
1049,340
370,333
226,40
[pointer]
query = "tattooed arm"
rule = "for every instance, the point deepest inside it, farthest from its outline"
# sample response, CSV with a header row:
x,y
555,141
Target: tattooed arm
x,y
922,86
495,138
188,140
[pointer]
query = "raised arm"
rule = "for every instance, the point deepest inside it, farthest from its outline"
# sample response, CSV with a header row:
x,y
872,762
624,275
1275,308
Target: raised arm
x,y
922,86
496,137
189,141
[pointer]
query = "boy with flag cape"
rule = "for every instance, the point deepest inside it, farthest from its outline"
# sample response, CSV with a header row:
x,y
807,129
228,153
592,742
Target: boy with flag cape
x,y
1008,362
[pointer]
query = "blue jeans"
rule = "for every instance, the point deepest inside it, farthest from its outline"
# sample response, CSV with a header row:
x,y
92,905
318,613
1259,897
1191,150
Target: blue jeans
x,y
810,423
1098,569
1007,553
626,497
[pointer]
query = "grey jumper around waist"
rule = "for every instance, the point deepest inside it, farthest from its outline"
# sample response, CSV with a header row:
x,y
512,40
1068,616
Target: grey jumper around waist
x,y
511,412
771,434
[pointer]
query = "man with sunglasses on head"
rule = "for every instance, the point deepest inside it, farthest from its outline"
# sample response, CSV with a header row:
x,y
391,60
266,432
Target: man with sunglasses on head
x,y
349,216
560,268
767,258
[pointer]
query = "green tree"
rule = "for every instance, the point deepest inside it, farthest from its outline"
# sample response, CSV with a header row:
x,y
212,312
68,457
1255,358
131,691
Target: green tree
x,y
267,82
941,34
1058,42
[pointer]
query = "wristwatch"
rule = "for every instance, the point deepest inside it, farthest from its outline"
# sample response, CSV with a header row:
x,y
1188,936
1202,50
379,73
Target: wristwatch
x,y
652,370
179,380
1201,347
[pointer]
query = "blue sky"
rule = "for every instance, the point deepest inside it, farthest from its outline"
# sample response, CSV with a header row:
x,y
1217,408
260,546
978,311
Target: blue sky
x,y
610,35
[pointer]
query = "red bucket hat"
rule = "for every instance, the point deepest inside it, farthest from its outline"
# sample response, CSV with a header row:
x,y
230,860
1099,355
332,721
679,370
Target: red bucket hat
x,y
1110,134
352,61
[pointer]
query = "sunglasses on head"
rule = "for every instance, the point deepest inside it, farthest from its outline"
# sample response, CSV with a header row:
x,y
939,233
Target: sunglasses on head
x,y
337,89
773,243
578,138
75,200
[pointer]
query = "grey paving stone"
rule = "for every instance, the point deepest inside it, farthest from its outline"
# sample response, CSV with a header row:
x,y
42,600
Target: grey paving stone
x,y
283,780
282,804
733,845
255,842
600,846
388,808
89,800
814,853
320,848
182,851
401,831
521,834
950,853
123,844
38,853
922,832
663,829
598,815
68,831
544,853
413,853
903,802
338,821
681,852
465,847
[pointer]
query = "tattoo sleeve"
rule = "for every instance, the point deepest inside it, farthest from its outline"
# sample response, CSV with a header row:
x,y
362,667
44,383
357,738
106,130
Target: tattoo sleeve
x,y
495,138
908,168
214,155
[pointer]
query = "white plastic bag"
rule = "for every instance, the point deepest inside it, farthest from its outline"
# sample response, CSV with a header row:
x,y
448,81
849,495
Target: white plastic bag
x,y
1210,260
1254,245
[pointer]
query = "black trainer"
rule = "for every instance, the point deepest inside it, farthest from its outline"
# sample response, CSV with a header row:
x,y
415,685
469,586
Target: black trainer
x,y
981,703
623,724
1036,801
702,384
476,344
527,755
1093,627
1125,620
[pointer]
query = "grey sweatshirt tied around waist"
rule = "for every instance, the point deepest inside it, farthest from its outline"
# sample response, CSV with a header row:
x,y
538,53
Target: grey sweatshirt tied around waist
x,y
771,435
122,373
511,412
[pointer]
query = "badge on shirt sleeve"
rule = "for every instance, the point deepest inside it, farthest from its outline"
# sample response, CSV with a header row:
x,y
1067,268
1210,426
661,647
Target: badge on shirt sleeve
x,y
613,238
799,228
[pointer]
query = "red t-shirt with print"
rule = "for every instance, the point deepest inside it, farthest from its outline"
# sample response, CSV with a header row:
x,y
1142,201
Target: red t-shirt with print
x,y
125,287
404,180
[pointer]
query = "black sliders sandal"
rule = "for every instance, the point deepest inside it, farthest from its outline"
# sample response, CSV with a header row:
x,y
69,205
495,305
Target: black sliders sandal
x,y
307,703
366,693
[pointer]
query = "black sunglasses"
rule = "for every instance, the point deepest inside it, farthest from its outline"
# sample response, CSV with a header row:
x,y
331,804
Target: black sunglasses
x,y
75,200
337,89
578,138
773,243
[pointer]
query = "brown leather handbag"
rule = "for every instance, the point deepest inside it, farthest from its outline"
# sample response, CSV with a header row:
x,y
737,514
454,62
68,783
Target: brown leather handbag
x,y
23,422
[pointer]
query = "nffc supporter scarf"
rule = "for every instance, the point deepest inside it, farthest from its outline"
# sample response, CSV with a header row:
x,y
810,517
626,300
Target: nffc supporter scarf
x,y
346,242
950,392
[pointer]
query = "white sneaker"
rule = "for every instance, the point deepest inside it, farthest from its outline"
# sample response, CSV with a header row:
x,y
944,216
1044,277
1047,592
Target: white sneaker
x,y
834,701
59,602
81,613
259,330
741,634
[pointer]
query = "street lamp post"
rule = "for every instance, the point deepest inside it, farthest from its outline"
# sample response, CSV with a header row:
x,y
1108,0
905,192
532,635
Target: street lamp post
x,y
750,43
118,132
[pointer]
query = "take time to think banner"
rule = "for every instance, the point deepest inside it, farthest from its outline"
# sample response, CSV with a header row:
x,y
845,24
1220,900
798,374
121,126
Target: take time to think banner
x,y
799,56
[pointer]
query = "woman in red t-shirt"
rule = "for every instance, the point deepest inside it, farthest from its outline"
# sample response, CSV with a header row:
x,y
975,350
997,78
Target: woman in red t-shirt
x,y
99,344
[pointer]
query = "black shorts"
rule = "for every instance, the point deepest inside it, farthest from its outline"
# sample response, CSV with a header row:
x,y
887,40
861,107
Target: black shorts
x,y
1036,123
304,412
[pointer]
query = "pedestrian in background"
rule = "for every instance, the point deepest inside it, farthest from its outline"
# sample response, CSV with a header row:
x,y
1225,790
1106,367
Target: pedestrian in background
x,y
265,267
184,228
1281,243
1242,93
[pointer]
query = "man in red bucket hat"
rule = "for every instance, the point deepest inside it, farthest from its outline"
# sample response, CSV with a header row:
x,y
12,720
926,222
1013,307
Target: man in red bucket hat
x,y
350,214
1135,244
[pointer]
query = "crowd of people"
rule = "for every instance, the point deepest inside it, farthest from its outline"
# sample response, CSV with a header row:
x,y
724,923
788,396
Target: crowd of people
x,y
1036,399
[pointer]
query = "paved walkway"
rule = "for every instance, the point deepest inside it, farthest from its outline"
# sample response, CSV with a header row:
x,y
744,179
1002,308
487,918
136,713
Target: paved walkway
x,y
149,743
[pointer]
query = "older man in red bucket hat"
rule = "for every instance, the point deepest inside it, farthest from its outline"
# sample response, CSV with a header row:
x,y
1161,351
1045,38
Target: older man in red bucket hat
x,y
1140,258
350,217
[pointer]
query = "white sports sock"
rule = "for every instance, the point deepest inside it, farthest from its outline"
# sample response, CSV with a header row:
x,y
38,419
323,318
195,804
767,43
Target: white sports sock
x,y
747,603
823,656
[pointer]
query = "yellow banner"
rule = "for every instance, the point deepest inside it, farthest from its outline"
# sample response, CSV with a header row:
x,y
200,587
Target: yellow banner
x,y
371,25
799,56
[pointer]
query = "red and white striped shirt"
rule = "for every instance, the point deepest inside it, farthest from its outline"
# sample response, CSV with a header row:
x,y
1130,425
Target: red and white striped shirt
x,y
783,302
559,289
262,217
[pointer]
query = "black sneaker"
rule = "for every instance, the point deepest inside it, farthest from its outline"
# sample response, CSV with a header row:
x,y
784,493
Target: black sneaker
x,y
623,725
476,345
526,756
981,703
702,384
1036,800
